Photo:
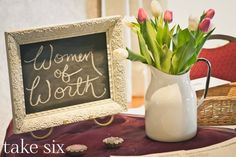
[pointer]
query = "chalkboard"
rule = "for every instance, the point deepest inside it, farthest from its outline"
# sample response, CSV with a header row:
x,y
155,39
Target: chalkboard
x,y
65,72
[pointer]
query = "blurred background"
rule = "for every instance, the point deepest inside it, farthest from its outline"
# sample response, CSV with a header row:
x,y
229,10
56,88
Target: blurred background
x,y
25,14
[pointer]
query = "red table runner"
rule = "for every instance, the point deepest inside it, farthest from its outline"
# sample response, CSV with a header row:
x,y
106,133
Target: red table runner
x,y
131,129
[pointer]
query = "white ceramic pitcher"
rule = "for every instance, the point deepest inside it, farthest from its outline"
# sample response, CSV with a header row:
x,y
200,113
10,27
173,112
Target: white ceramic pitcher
x,y
171,106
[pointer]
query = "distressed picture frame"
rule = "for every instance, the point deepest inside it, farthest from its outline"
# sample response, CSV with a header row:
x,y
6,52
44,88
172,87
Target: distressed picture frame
x,y
116,102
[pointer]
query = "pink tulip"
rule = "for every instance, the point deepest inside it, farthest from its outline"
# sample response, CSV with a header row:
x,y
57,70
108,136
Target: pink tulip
x,y
168,16
205,24
142,15
210,13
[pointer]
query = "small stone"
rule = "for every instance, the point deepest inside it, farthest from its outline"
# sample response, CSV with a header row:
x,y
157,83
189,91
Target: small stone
x,y
113,142
76,150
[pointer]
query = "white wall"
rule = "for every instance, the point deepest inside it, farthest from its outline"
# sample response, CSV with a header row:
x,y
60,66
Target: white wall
x,y
22,14
224,19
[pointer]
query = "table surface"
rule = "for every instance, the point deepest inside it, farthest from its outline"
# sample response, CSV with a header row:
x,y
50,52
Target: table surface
x,y
131,129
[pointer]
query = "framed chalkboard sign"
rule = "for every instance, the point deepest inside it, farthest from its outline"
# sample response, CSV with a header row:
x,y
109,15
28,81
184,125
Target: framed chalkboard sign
x,y
66,73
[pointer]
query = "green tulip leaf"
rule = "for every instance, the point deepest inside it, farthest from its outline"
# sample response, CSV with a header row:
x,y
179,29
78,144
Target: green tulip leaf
x,y
184,52
143,49
135,57
149,34
165,37
202,42
189,63
166,60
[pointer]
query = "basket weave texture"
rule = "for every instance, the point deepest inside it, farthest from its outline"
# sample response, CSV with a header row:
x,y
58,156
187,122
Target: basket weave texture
x,y
219,108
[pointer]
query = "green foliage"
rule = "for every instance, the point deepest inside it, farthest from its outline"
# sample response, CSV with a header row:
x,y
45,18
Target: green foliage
x,y
136,57
149,33
171,50
143,49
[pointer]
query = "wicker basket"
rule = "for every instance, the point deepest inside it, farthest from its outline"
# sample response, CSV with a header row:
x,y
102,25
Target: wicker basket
x,y
218,110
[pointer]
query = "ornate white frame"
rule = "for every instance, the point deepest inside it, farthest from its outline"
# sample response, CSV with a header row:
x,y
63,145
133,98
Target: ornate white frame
x,y
117,103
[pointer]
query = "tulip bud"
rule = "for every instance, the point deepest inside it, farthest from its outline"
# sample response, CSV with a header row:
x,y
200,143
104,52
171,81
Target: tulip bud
x,y
210,13
128,21
120,53
192,23
204,25
156,8
142,15
168,16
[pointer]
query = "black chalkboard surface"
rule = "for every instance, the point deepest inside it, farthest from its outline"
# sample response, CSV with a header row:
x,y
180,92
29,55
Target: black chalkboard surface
x,y
65,72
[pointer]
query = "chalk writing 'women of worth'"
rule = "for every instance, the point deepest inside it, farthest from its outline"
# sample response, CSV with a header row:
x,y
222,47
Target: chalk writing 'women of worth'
x,y
78,88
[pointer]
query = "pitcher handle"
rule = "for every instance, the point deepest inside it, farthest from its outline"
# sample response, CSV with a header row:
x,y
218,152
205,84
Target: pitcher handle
x,y
207,80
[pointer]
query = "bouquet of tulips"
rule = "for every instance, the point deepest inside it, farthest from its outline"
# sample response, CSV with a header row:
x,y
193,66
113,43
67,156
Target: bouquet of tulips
x,y
172,50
